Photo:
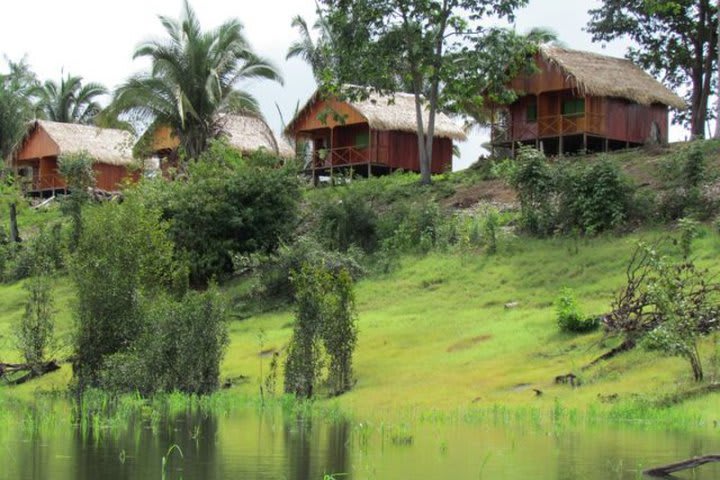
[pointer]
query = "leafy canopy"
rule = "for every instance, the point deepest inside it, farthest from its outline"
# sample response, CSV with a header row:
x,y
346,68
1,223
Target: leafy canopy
x,y
192,80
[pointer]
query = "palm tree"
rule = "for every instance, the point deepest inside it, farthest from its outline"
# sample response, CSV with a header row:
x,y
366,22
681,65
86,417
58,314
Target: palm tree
x,y
192,80
69,101
543,35
315,52
16,89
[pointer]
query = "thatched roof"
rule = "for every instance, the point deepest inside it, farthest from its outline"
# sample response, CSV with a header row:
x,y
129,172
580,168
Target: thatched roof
x,y
104,145
394,112
248,134
604,76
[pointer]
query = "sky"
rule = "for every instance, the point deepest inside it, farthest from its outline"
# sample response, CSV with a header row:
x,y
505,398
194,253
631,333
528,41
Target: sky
x,y
96,39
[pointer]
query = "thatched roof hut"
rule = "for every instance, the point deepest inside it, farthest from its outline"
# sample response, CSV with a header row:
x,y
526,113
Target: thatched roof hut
x,y
105,145
245,133
36,158
388,113
249,134
604,76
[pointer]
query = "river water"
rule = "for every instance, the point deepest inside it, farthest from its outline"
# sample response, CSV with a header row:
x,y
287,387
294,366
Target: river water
x,y
269,444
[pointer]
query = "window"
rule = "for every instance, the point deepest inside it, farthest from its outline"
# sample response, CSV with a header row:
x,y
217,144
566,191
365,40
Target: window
x,y
362,140
573,107
531,113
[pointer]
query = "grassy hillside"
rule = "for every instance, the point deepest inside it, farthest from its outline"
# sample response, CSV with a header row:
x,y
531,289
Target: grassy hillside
x,y
435,333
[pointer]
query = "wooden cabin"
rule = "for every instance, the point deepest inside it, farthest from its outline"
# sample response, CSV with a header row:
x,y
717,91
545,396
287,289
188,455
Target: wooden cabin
x,y
584,102
35,159
372,136
247,134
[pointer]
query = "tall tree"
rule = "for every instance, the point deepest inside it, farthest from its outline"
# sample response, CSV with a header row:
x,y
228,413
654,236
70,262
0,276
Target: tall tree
x,y
435,46
16,87
315,51
717,110
193,79
676,40
69,101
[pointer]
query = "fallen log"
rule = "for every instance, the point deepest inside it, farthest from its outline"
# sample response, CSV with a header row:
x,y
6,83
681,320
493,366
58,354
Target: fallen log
x,y
7,369
667,470
625,346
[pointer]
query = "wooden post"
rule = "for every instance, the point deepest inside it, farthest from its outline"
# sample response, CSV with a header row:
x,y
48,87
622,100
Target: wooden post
x,y
585,144
492,131
330,153
370,154
14,232
607,145
561,149
537,121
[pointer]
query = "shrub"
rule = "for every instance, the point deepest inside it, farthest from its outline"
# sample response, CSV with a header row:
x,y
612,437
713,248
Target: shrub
x,y
35,331
77,169
534,182
593,197
347,220
228,204
569,316
180,348
413,226
276,271
325,322
123,255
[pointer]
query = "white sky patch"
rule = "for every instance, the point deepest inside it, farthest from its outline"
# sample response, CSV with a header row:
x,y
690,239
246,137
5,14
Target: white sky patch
x,y
96,39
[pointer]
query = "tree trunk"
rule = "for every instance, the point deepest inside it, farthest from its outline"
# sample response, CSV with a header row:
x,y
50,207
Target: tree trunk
x,y
694,358
717,108
14,232
425,177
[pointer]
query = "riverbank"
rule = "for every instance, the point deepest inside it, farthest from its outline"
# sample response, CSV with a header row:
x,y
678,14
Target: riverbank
x,y
435,335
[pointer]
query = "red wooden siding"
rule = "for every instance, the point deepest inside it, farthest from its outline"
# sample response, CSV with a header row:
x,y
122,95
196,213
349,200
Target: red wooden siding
x,y
400,150
611,118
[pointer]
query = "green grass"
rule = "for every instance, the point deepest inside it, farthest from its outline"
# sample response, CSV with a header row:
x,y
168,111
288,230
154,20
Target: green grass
x,y
434,335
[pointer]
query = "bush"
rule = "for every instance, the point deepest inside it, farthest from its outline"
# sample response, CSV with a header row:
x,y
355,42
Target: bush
x,y
593,197
413,226
17,260
77,169
534,181
123,255
276,271
227,205
180,348
569,316
325,323
35,331
347,220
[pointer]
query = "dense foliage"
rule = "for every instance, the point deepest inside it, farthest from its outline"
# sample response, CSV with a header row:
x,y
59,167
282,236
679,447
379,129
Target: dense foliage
x,y
587,196
227,205
675,40
193,80
439,51
179,348
324,326
123,256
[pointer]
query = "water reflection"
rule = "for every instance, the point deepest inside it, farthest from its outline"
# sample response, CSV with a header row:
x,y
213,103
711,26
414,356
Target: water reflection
x,y
265,445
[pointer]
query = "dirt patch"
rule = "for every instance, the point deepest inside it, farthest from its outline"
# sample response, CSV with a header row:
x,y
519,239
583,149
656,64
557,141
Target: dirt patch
x,y
468,343
487,191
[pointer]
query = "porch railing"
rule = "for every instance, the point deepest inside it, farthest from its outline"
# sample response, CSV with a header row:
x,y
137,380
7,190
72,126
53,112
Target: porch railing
x,y
549,126
38,183
341,156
